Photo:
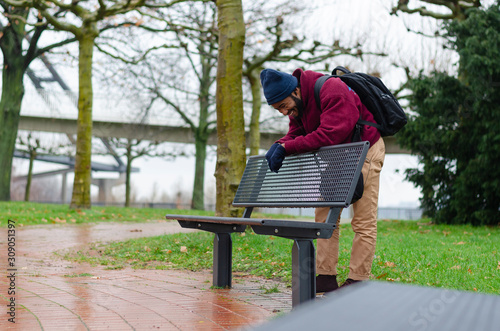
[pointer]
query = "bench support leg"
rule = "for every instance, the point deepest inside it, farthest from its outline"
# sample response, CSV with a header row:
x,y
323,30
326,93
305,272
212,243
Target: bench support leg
x,y
223,251
303,271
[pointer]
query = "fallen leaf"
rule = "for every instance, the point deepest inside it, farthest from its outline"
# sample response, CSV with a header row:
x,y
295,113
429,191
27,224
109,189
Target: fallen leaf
x,y
459,243
469,271
184,249
147,249
382,275
498,268
390,264
457,267
44,220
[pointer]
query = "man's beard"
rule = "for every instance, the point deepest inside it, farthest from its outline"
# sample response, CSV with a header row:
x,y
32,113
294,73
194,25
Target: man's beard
x,y
299,104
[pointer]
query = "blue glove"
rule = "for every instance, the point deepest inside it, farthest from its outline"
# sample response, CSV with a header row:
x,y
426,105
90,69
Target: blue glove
x,y
277,158
270,153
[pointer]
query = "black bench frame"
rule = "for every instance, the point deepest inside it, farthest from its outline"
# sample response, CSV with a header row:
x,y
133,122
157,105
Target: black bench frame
x,y
296,185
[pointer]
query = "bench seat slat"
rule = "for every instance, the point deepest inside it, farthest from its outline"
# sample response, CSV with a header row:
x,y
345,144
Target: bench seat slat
x,y
250,221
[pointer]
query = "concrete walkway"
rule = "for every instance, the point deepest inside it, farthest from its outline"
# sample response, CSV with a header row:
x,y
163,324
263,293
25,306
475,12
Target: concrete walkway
x,y
55,294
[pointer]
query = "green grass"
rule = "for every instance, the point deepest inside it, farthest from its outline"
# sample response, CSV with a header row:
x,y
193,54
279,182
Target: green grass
x,y
455,257
30,213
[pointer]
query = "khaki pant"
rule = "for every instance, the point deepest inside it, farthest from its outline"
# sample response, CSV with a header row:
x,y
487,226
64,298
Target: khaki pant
x,y
364,223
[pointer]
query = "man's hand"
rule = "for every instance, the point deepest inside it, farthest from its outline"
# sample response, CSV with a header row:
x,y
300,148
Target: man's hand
x,y
276,160
270,152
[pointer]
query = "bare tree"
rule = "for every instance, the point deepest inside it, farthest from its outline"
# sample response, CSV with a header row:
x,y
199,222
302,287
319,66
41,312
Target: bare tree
x,y
456,9
20,33
83,24
176,70
132,149
33,145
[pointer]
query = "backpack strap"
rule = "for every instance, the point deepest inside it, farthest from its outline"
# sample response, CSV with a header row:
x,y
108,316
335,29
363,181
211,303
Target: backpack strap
x,y
376,125
317,88
344,70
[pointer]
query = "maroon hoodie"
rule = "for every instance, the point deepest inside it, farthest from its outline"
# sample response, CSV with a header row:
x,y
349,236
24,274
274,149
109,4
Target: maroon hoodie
x,y
332,126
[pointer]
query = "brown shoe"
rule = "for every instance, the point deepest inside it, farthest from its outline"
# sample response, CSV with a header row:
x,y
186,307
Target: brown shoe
x,y
349,281
326,283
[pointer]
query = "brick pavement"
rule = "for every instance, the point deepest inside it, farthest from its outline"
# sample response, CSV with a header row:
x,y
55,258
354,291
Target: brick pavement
x,y
54,294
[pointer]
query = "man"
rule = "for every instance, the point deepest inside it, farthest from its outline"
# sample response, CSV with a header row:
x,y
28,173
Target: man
x,y
311,128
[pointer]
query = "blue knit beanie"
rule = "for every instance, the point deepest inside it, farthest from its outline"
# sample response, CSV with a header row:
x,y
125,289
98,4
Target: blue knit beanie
x,y
277,85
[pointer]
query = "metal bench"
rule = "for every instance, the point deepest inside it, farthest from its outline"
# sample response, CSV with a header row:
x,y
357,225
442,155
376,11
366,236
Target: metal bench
x,y
324,178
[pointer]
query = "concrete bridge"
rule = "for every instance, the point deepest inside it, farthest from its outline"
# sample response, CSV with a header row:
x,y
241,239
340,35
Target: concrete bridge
x,y
105,129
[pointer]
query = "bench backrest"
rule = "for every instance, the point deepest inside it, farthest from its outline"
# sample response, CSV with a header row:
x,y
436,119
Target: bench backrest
x,y
326,177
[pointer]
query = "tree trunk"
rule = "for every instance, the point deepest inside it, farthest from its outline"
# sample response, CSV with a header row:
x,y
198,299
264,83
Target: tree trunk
x,y
201,136
10,107
81,184
14,66
127,174
254,79
30,176
198,197
230,123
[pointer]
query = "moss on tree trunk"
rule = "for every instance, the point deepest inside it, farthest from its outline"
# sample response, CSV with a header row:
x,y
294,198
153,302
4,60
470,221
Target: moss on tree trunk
x,y
254,80
81,184
10,106
230,122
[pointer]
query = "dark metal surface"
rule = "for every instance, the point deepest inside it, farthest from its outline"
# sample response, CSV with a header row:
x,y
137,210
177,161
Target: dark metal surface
x,y
281,228
214,219
213,227
381,306
303,272
326,177
223,260
321,230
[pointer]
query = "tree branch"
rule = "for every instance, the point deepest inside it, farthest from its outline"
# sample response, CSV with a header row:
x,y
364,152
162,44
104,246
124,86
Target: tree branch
x,y
176,108
423,12
141,58
170,4
40,51
60,25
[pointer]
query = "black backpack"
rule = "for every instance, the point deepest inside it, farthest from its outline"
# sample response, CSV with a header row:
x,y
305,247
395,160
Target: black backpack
x,y
386,110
